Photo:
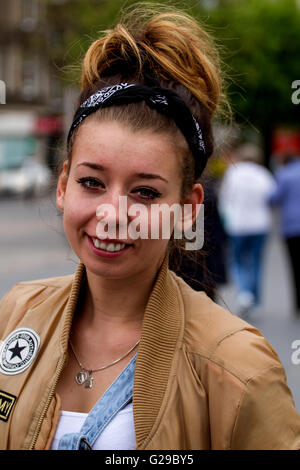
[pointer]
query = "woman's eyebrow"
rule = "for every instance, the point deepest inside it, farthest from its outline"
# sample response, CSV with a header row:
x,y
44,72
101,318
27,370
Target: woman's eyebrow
x,y
150,176
97,166
94,166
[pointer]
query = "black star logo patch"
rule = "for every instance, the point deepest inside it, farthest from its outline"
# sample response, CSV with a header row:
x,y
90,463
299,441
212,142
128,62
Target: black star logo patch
x,y
16,351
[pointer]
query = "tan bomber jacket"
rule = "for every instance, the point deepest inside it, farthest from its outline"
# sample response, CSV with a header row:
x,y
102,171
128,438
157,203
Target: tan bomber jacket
x,y
204,378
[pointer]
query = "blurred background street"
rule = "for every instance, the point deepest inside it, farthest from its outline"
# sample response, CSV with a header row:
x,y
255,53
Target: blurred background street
x,y
32,242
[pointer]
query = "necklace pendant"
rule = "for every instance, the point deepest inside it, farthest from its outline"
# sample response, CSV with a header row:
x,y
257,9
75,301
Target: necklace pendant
x,y
81,377
84,377
89,381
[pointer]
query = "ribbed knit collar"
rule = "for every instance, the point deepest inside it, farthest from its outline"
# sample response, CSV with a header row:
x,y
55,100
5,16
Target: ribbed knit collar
x,y
161,334
162,327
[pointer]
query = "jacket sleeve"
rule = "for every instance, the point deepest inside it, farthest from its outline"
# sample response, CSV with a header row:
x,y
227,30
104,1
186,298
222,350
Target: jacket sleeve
x,y
266,417
7,306
16,302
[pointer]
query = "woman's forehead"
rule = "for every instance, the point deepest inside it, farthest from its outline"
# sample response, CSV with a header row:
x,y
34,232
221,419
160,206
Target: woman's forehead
x,y
108,144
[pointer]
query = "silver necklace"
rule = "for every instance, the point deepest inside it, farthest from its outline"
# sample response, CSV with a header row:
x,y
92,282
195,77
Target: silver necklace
x,y
85,377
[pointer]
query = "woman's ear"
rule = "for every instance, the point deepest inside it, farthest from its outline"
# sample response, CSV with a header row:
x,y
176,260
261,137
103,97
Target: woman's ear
x,y
61,187
191,206
192,211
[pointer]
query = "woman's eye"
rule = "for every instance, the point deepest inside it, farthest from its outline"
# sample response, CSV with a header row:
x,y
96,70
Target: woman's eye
x,y
90,183
147,193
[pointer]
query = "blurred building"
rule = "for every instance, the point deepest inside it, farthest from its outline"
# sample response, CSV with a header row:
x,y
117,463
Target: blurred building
x,y
31,120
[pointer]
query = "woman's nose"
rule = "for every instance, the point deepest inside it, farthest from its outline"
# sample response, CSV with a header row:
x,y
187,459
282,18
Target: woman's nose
x,y
112,216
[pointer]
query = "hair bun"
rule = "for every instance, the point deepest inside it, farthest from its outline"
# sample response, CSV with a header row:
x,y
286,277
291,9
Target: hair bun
x,y
171,43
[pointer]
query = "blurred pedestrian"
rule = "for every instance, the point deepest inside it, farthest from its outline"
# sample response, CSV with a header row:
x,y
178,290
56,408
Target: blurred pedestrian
x,y
286,196
247,220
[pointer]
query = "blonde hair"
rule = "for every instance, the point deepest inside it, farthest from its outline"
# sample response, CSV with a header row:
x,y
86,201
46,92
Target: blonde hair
x,y
174,44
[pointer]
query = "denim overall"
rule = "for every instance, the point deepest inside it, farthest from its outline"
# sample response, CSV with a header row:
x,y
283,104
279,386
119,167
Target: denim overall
x,y
111,402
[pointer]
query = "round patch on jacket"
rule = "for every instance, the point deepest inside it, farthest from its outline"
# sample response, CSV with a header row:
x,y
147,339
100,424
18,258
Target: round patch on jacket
x,y
18,351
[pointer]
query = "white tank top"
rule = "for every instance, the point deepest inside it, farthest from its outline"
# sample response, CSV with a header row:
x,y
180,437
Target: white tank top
x,y
117,435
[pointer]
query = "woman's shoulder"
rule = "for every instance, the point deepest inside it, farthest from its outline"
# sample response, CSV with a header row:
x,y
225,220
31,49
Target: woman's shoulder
x,y
26,295
34,287
214,335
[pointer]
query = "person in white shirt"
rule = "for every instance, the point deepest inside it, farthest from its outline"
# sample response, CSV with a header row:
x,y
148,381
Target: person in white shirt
x,y
247,219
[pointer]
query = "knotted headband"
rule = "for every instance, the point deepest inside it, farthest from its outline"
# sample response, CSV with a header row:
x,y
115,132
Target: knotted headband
x,y
164,100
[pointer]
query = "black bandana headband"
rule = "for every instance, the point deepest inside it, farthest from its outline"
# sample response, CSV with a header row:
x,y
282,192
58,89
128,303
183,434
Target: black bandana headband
x,y
164,100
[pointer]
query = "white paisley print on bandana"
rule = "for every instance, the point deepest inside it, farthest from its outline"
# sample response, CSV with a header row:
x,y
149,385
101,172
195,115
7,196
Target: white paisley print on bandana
x,y
102,95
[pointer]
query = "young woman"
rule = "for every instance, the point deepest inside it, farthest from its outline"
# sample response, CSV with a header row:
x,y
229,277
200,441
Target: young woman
x,y
124,354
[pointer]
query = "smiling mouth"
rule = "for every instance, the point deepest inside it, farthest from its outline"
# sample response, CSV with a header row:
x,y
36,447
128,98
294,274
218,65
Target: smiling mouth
x,y
109,245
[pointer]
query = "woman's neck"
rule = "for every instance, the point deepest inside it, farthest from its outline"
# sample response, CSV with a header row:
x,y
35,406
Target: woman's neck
x,y
115,303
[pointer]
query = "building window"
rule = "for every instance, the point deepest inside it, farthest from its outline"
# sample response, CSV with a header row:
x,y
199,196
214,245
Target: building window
x,y
31,77
30,15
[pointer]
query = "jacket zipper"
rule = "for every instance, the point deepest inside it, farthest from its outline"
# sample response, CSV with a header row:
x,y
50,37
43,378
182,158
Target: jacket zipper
x,y
51,394
65,337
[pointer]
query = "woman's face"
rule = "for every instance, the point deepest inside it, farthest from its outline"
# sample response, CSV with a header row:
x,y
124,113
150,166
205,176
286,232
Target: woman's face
x,y
109,160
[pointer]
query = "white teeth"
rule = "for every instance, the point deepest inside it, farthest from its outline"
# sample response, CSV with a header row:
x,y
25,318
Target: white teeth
x,y
96,243
109,247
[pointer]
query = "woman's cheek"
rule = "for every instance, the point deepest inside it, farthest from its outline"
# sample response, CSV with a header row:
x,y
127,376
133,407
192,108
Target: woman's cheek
x,y
162,221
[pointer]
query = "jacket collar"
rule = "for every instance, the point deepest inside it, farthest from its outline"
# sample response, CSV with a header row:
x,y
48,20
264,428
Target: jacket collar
x,y
161,332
